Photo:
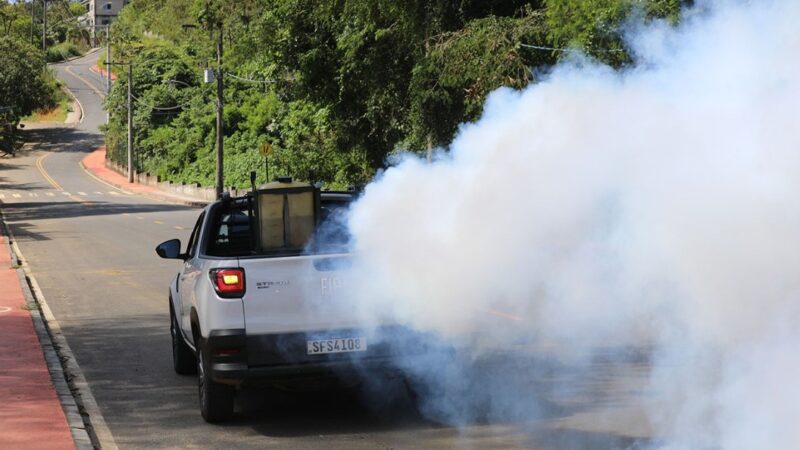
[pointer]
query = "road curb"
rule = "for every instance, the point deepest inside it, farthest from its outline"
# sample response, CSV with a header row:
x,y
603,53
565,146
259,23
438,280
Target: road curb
x,y
154,196
73,58
75,101
75,420
86,423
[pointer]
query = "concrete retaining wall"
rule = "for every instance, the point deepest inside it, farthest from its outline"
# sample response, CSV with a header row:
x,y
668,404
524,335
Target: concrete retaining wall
x,y
193,190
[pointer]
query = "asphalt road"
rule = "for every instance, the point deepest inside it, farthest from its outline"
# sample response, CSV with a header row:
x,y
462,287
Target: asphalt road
x,y
90,247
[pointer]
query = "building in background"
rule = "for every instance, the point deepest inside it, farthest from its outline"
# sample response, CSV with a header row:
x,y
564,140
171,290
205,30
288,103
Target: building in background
x,y
103,12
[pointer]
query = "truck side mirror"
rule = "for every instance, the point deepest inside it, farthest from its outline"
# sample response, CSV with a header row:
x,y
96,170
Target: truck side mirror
x,y
170,249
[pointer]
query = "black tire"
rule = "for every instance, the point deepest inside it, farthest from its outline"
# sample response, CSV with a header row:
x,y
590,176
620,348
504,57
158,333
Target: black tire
x,y
216,400
183,359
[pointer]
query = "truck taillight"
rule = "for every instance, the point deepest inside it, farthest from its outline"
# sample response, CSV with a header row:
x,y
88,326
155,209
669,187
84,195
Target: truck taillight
x,y
228,282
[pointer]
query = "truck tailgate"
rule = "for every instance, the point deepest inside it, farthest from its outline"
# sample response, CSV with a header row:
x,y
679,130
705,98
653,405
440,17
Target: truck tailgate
x,y
297,294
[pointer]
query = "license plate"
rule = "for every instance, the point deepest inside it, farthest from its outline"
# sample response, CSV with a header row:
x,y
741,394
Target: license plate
x,y
340,345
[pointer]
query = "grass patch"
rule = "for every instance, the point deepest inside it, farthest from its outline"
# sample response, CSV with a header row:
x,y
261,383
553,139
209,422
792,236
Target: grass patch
x,y
57,113
101,64
58,104
29,307
63,51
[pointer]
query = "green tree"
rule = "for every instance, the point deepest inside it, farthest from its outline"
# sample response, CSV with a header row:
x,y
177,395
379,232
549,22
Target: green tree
x,y
461,67
337,85
594,26
25,85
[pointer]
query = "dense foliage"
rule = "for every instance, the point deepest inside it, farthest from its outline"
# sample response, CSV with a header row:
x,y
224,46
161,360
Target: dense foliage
x,y
334,86
65,33
25,83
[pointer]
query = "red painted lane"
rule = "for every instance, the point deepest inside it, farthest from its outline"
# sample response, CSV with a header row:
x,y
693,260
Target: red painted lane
x,y
30,412
102,72
95,162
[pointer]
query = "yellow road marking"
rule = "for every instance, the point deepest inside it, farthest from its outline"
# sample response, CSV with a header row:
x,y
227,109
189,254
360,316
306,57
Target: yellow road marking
x,y
179,227
40,167
505,315
102,96
44,173
158,222
106,272
84,81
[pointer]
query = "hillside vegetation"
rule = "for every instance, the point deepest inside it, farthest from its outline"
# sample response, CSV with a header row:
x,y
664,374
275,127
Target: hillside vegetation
x,y
335,86
26,85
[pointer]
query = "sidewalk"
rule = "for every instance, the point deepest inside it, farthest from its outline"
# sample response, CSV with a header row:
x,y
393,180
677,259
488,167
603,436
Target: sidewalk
x,y
95,164
102,72
31,415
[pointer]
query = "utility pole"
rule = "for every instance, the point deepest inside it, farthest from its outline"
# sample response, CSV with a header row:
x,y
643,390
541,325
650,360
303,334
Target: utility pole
x,y
220,85
108,61
220,130
44,25
33,3
108,67
130,123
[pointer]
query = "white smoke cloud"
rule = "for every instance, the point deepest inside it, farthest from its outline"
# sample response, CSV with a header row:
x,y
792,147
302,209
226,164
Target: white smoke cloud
x,y
658,206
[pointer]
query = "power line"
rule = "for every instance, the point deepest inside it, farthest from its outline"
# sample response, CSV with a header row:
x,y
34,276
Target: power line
x,y
165,108
249,80
568,49
160,108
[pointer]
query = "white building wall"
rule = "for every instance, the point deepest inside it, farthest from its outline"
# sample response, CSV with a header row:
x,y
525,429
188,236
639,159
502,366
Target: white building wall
x,y
103,12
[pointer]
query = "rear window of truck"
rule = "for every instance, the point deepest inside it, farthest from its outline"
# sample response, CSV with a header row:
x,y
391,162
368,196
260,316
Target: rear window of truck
x,y
233,231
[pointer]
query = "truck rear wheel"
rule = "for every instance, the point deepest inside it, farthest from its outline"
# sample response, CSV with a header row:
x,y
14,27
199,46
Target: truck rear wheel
x,y
216,400
183,360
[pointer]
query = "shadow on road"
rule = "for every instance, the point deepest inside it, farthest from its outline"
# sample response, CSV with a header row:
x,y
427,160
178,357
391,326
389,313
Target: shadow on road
x,y
128,365
60,138
4,168
16,213
24,186
21,217
127,362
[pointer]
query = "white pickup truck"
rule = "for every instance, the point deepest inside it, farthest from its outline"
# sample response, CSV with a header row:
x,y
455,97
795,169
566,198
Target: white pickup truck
x,y
259,297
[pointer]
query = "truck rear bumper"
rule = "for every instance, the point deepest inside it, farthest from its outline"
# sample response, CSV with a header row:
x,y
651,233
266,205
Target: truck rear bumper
x,y
237,358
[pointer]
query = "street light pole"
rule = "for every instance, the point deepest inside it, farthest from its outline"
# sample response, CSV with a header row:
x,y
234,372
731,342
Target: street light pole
x,y
44,25
219,184
130,123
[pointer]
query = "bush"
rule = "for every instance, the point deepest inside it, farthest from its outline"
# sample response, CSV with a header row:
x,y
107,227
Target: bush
x,y
24,84
62,52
